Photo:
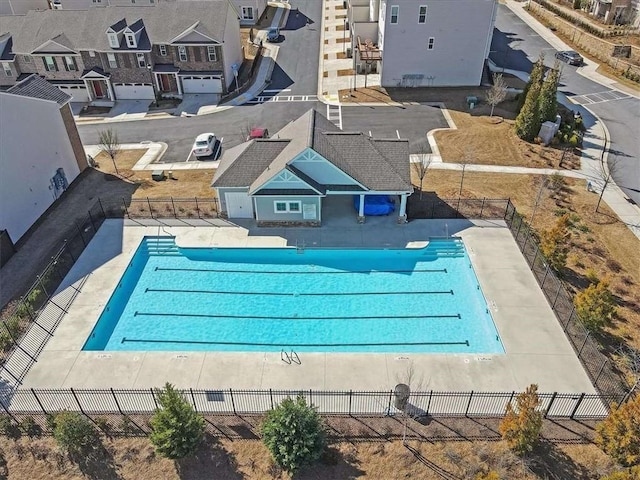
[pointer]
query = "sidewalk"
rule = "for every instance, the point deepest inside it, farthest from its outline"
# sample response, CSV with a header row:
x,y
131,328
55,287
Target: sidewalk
x,y
261,80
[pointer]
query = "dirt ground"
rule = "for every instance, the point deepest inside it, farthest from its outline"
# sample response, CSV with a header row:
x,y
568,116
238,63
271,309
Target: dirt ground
x,y
184,184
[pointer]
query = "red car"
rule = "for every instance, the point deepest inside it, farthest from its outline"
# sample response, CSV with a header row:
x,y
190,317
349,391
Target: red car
x,y
258,133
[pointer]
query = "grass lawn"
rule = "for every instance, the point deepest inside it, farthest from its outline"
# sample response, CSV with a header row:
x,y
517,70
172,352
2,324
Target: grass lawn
x,y
185,183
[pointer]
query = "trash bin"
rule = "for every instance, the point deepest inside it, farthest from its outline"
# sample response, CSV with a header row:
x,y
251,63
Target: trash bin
x,y
348,52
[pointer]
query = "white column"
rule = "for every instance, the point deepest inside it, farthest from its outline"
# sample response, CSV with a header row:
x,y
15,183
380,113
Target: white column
x,y
89,88
110,88
179,85
403,205
361,207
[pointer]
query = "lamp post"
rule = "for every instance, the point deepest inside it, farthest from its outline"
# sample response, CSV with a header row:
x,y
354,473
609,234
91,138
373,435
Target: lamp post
x,y
235,68
344,35
153,84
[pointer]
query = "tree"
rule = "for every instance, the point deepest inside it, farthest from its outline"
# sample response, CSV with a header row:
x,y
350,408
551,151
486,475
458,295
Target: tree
x,y
521,426
554,243
109,144
619,434
528,120
294,433
497,93
595,306
177,428
74,432
535,78
607,169
421,167
548,105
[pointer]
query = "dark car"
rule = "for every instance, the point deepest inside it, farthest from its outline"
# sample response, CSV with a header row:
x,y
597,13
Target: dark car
x,y
570,56
273,34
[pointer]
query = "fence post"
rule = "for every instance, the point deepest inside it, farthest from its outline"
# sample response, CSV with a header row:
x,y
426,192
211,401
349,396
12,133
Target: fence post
x,y
389,406
545,275
575,409
535,255
197,206
153,396
583,344
482,206
193,399
429,402
91,220
8,412
466,412
524,245
80,233
116,400
553,397
104,215
174,208
233,403
519,227
604,364
350,399
126,210
39,402
149,204
77,401
557,295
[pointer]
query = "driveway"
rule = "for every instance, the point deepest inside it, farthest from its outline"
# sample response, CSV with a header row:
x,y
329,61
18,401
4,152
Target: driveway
x,y
408,121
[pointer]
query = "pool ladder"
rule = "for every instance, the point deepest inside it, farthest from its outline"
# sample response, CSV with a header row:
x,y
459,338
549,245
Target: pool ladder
x,y
300,247
289,358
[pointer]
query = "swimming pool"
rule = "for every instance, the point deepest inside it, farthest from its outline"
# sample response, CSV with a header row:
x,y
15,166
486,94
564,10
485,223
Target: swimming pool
x,y
316,300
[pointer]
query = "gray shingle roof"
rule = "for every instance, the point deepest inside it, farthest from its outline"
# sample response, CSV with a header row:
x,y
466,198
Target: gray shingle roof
x,y
37,87
377,164
86,29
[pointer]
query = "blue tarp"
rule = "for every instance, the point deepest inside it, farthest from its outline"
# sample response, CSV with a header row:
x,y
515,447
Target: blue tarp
x,y
375,204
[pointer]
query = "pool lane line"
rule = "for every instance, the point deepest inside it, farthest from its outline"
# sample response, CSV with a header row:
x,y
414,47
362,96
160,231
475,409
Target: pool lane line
x,y
278,294
289,345
273,272
270,317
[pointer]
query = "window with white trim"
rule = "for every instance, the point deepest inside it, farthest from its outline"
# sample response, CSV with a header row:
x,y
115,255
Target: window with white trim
x,y
131,40
430,44
395,11
182,54
50,64
7,70
163,50
422,14
113,40
211,53
247,13
280,206
70,64
26,59
111,58
142,63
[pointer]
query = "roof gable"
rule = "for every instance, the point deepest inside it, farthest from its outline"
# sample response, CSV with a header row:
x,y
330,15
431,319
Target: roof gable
x,y
35,86
117,27
192,35
56,45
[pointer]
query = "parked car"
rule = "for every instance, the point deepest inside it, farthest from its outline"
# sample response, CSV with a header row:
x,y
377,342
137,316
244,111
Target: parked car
x,y
273,34
570,56
205,145
258,133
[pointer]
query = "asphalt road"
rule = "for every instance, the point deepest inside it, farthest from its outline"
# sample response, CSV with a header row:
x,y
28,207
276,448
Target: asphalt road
x,y
516,46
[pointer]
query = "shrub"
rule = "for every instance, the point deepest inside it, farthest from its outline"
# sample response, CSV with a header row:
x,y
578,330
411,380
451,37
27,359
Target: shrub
x,y
628,474
592,275
103,424
74,433
521,426
30,428
595,306
8,428
177,428
554,243
490,475
294,433
619,434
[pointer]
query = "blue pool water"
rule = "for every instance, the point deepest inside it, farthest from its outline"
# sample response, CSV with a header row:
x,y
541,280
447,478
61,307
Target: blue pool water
x,y
315,300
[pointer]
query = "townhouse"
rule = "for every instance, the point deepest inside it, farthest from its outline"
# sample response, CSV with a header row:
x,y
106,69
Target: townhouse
x,y
418,43
118,53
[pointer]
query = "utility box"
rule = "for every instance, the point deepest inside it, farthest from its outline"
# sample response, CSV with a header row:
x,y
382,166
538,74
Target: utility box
x,y
157,175
472,101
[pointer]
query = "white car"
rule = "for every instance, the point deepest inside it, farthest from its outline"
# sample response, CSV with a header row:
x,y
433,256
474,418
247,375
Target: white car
x,y
205,145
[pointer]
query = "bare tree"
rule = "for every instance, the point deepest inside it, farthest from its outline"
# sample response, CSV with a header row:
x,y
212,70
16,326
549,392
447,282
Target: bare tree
x,y
497,93
605,173
540,197
109,144
421,166
629,358
466,160
409,379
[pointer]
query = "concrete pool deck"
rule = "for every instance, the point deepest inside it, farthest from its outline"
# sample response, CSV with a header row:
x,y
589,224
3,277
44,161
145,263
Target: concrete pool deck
x,y
537,350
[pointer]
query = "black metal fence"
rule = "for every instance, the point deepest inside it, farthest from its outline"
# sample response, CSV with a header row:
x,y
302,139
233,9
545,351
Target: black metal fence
x,y
430,206
602,372
31,322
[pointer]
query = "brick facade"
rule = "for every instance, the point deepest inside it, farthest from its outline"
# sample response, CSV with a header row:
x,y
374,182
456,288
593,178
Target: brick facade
x,y
61,73
127,71
197,58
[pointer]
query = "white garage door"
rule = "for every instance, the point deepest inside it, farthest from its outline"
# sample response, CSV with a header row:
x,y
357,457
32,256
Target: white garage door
x,y
133,91
78,92
239,205
202,84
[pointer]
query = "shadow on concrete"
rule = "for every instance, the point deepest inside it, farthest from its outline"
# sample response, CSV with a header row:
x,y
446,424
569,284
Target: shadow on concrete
x,y
297,20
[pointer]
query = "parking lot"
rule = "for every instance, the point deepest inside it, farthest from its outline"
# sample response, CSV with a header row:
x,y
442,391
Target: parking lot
x,y
407,121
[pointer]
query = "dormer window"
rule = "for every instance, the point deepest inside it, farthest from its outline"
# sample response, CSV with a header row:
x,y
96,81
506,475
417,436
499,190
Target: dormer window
x,y
131,40
113,40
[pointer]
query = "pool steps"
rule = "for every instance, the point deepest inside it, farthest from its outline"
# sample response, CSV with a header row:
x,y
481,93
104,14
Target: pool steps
x,y
162,246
